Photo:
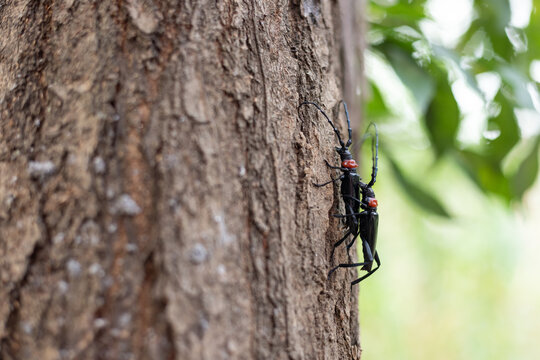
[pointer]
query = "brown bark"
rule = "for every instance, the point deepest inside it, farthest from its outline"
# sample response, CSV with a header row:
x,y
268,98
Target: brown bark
x,y
156,196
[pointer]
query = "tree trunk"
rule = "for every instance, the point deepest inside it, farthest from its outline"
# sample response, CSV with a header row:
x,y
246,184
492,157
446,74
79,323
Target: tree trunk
x,y
156,181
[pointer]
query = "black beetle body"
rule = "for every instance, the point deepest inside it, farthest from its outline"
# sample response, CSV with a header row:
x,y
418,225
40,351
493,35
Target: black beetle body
x,y
364,224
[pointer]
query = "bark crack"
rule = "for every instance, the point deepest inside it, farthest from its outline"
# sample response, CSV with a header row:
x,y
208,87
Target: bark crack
x,y
275,169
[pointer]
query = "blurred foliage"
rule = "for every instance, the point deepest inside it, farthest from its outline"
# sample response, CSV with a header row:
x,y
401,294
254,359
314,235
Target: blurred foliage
x,y
454,95
504,160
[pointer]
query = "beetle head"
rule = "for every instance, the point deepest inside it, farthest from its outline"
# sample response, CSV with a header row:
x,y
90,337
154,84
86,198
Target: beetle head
x,y
368,197
344,153
346,158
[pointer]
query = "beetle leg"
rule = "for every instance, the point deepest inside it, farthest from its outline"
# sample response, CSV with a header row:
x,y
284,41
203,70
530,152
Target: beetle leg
x,y
347,266
328,182
369,261
334,167
345,215
349,245
352,198
378,261
339,243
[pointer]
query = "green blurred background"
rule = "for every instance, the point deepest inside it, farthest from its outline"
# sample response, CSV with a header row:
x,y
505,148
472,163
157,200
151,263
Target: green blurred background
x,y
453,89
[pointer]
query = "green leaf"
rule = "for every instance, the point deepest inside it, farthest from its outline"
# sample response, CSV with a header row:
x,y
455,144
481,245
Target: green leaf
x,y
527,172
376,107
442,117
533,32
416,79
400,13
428,70
485,172
453,62
417,194
506,123
396,38
472,40
516,83
494,17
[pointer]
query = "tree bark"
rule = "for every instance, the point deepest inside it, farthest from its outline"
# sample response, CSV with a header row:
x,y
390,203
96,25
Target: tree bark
x,y
156,181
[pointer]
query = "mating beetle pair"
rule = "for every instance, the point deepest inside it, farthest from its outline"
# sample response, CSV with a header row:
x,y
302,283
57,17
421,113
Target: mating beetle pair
x,y
356,195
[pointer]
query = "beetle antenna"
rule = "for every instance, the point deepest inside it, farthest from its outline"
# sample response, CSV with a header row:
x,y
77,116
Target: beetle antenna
x,y
329,121
349,142
374,152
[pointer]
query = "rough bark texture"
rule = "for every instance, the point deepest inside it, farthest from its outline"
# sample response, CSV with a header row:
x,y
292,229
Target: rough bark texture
x,y
156,196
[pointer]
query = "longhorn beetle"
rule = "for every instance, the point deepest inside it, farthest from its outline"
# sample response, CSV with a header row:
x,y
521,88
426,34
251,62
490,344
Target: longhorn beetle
x,y
363,223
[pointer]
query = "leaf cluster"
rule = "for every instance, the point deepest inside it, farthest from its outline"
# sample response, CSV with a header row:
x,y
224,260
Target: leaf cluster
x,y
504,159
